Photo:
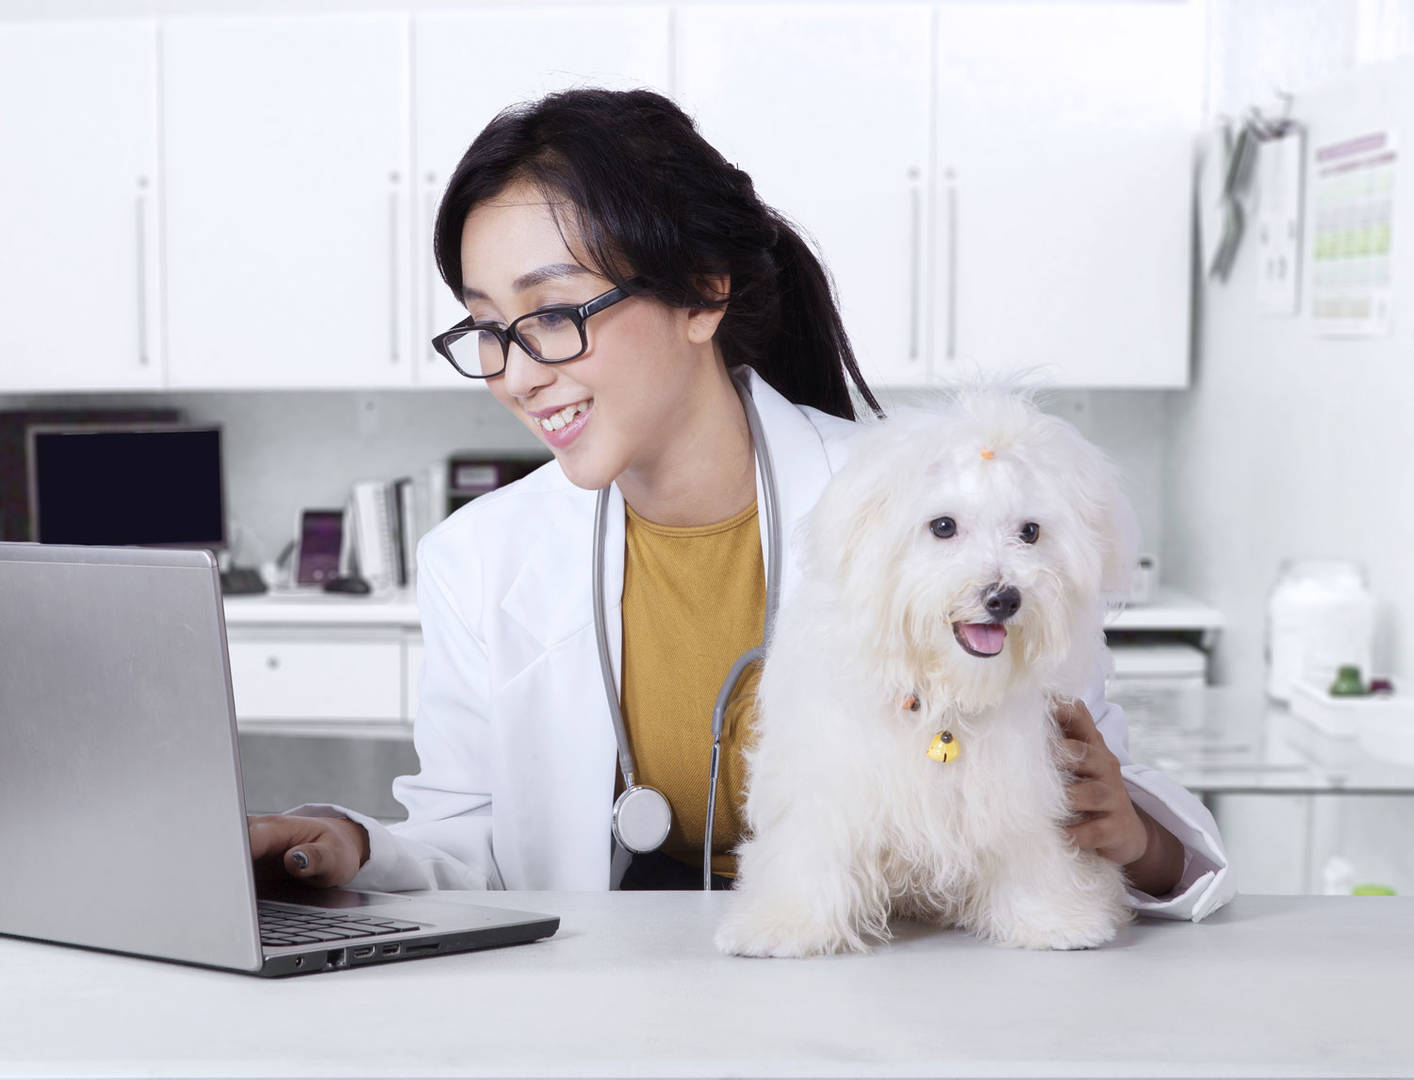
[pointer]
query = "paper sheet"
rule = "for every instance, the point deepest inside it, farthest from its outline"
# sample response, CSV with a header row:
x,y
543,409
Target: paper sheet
x,y
1353,242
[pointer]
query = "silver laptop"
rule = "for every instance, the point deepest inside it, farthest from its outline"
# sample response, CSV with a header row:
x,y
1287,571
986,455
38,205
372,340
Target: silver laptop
x,y
122,818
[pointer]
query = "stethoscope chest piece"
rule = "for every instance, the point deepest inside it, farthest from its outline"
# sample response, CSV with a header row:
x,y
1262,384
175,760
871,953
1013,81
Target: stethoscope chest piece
x,y
641,819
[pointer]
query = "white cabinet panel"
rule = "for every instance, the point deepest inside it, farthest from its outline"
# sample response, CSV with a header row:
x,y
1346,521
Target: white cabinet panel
x,y
468,66
826,106
316,678
79,206
288,244
1064,155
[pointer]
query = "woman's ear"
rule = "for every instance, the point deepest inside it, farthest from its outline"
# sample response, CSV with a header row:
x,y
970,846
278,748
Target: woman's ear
x,y
702,322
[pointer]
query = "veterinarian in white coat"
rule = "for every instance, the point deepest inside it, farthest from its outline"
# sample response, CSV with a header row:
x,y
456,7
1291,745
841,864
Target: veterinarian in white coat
x,y
514,733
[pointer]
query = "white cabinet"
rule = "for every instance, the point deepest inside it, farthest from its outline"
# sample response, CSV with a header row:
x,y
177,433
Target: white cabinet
x,y
79,198
329,676
826,106
288,241
1064,149
468,67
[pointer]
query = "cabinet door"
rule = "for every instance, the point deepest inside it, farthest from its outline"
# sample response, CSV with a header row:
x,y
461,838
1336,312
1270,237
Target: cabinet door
x,y
826,106
1064,150
287,153
469,66
78,206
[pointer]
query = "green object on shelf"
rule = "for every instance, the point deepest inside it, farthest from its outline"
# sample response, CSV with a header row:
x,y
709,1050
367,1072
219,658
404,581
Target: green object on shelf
x,y
1348,682
1372,890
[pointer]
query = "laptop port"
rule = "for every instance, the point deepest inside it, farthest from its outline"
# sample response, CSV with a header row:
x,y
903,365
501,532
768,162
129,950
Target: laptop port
x,y
390,950
337,958
417,947
363,953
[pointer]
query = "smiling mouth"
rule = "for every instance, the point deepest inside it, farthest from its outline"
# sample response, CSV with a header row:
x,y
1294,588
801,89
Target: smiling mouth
x,y
980,639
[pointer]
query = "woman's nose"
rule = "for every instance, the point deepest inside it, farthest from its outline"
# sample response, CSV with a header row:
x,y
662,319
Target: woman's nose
x,y
524,374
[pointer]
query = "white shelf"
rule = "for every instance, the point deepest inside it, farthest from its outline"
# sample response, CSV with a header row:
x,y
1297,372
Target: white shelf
x,y
1169,610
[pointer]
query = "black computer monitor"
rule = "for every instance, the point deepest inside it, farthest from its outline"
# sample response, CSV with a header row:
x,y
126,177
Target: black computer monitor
x,y
158,485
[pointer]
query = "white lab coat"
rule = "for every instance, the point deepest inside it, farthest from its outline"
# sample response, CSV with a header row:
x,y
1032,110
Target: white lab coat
x,y
513,730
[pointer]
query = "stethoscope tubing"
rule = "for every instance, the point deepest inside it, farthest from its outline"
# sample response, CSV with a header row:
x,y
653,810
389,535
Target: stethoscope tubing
x,y
773,557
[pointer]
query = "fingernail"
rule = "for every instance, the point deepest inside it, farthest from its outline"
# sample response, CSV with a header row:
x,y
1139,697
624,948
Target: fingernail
x,y
301,859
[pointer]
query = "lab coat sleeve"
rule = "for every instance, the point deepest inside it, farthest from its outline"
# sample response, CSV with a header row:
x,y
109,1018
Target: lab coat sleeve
x,y
445,843
1206,883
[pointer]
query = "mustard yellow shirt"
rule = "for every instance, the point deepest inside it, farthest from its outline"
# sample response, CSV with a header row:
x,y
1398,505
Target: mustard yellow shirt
x,y
694,600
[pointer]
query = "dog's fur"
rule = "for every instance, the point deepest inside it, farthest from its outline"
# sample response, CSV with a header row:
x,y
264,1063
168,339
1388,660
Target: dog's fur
x,y
849,821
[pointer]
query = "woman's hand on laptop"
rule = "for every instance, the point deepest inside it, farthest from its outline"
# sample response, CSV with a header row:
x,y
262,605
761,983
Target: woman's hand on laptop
x,y
319,851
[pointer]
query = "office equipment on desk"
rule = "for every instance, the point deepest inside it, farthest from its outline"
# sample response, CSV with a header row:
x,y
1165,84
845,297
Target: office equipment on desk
x,y
122,652
470,474
148,484
14,452
321,538
151,484
242,581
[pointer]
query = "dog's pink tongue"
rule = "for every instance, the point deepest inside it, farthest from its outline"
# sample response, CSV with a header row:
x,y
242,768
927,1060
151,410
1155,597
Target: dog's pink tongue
x,y
984,637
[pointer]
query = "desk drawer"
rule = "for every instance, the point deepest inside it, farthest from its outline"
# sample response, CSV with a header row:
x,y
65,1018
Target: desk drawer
x,y
289,679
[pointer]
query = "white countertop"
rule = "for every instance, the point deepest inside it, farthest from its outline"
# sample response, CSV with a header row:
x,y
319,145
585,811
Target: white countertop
x,y
314,607
631,986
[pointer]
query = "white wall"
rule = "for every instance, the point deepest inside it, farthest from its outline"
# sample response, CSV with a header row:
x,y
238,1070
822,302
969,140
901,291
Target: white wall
x,y
1291,444
288,450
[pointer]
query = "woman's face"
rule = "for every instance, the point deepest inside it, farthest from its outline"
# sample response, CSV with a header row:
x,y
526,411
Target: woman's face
x,y
638,371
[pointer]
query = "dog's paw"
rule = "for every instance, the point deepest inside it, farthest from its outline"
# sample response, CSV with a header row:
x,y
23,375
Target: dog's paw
x,y
1072,934
757,929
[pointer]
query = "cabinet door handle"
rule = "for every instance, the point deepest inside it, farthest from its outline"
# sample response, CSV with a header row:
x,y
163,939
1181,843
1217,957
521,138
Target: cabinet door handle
x,y
141,208
952,267
272,662
915,261
432,355
394,328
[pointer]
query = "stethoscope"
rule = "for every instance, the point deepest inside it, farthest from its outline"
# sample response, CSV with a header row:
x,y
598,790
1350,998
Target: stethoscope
x,y
642,815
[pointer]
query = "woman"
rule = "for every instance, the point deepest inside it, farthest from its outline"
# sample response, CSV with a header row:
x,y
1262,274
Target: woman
x,y
669,275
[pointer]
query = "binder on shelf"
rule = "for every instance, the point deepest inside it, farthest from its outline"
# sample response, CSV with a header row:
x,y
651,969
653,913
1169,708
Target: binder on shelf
x,y
382,525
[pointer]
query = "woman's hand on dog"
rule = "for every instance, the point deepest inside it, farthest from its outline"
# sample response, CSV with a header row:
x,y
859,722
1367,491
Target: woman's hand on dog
x,y
1107,821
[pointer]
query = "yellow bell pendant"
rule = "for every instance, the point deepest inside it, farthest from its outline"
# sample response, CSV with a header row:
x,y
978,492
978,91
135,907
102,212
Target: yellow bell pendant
x,y
944,747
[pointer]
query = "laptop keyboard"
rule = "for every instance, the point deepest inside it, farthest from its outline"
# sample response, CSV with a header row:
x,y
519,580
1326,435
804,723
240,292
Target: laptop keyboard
x,y
283,926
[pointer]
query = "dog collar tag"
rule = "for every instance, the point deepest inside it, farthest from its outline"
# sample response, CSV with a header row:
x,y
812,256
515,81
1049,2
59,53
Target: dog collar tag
x,y
944,747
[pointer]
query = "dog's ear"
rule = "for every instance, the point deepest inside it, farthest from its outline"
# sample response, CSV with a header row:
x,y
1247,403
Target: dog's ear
x,y
837,530
1105,510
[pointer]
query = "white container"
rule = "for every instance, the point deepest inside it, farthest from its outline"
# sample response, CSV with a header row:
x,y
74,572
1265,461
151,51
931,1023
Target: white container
x,y
1384,723
1320,616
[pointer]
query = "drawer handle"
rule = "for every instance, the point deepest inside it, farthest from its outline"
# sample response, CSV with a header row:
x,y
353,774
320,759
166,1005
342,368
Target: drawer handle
x,y
272,662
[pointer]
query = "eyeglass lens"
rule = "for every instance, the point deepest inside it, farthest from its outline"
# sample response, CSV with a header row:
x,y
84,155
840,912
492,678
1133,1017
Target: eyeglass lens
x,y
553,336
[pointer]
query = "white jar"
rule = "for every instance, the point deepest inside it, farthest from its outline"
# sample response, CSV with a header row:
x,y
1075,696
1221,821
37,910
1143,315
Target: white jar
x,y
1320,616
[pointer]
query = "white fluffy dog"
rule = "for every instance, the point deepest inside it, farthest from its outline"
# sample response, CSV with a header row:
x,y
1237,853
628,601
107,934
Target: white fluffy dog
x,y
905,758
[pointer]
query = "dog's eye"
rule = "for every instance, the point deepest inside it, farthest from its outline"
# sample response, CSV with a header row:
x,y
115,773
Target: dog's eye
x,y
943,527
1030,532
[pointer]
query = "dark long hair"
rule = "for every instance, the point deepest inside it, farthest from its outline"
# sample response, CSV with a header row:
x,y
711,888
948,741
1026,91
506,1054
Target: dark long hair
x,y
653,201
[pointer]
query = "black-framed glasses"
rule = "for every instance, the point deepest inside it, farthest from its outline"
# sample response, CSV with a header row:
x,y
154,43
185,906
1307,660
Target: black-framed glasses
x,y
551,335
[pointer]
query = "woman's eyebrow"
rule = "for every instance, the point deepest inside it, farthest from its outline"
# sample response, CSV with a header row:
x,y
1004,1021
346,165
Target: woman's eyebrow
x,y
531,278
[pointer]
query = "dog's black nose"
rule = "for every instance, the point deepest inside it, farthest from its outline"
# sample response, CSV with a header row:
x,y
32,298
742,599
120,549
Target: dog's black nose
x,y
1001,603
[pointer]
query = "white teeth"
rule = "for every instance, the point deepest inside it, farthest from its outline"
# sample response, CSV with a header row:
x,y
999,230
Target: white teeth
x,y
555,421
